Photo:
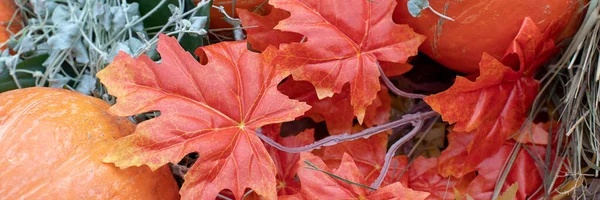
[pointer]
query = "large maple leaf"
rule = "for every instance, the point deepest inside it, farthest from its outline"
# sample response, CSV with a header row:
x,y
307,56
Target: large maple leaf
x,y
344,45
263,35
497,103
287,163
319,185
212,109
336,110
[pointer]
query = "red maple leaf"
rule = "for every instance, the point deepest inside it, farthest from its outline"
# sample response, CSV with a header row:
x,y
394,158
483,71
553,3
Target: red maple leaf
x,y
453,158
369,156
524,171
536,133
212,109
424,177
497,103
263,35
336,110
287,163
340,51
319,185
531,48
395,69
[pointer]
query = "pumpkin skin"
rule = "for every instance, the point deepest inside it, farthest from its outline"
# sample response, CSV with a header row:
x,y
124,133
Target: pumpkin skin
x,y
7,9
482,26
52,145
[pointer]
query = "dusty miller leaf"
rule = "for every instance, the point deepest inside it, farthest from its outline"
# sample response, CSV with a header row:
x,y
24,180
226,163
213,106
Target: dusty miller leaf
x,y
65,36
58,81
415,7
87,83
118,48
60,14
80,52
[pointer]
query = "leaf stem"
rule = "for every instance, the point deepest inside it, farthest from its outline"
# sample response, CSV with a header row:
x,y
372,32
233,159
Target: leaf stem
x,y
425,132
394,89
314,167
335,139
440,14
235,22
392,151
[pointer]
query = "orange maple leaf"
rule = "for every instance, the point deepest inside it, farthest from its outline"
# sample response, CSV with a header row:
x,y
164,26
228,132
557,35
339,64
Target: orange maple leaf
x,y
338,50
318,185
497,103
263,35
287,163
212,109
336,110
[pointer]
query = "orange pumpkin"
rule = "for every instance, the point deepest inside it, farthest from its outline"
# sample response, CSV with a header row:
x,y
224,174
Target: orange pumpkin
x,y
482,26
7,9
52,144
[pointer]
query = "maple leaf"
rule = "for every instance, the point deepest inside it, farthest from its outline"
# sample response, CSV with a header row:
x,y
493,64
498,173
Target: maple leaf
x,y
424,177
455,155
336,110
535,133
510,193
263,35
524,171
494,106
287,163
378,112
395,69
319,185
369,156
531,48
338,50
497,103
212,109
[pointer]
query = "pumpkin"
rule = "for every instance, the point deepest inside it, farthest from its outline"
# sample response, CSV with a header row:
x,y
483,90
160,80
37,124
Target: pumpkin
x,y
216,17
52,145
482,26
7,9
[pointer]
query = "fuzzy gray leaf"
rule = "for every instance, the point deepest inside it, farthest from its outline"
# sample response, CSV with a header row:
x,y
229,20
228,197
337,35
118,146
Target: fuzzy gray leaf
x,y
65,36
80,53
58,81
87,83
118,48
415,7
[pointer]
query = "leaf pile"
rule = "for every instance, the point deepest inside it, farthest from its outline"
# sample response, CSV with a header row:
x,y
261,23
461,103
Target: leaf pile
x,y
319,62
